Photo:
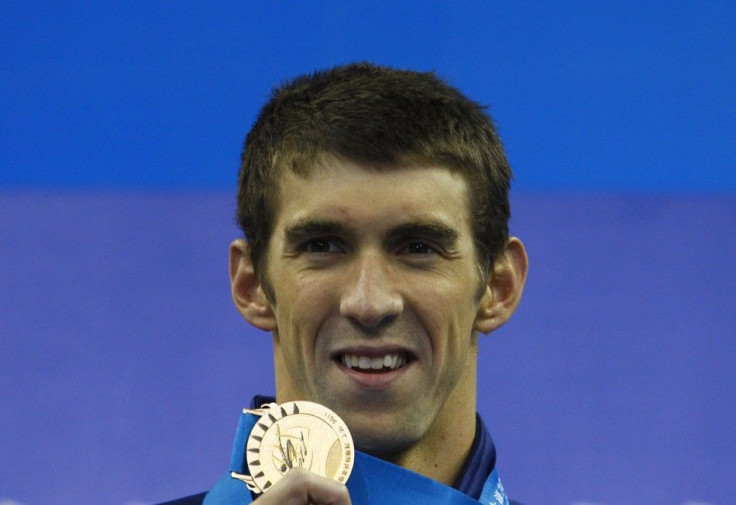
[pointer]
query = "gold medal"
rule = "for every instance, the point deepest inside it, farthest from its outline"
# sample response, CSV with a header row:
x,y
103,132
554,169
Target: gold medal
x,y
298,434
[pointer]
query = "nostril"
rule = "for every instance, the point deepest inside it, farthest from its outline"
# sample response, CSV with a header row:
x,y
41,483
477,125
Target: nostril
x,y
369,310
370,325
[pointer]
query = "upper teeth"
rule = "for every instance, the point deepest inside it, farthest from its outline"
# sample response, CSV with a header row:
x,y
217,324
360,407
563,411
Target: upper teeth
x,y
392,361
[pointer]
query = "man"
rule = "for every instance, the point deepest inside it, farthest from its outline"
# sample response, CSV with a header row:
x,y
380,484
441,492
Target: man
x,y
374,203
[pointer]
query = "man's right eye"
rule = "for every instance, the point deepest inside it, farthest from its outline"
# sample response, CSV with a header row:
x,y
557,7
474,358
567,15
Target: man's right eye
x,y
321,246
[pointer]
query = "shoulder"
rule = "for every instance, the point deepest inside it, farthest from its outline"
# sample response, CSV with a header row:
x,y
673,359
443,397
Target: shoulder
x,y
196,499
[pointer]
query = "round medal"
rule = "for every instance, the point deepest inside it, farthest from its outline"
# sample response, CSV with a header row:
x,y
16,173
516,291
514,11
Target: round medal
x,y
299,434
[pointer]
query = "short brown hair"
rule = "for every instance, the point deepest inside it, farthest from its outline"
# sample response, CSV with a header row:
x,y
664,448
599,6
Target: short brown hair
x,y
379,116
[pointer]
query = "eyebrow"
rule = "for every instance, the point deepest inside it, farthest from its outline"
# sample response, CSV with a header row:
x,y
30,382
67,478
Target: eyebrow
x,y
434,230
305,229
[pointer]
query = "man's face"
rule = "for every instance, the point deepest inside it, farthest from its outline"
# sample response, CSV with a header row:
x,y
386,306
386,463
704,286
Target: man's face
x,y
375,281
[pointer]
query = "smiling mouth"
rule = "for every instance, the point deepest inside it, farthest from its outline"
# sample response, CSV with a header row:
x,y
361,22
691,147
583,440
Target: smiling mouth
x,y
374,364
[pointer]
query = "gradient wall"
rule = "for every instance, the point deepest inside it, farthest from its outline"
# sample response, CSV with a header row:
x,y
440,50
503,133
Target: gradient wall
x,y
123,364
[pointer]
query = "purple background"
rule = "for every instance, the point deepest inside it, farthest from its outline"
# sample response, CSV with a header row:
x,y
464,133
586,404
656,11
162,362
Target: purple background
x,y
124,364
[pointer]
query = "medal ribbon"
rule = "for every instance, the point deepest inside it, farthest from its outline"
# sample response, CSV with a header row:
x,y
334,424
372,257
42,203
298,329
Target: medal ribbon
x,y
372,481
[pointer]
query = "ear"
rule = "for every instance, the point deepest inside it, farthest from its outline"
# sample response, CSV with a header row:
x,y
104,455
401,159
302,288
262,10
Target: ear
x,y
247,290
505,285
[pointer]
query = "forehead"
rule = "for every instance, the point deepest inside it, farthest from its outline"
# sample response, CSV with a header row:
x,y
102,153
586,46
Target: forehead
x,y
352,191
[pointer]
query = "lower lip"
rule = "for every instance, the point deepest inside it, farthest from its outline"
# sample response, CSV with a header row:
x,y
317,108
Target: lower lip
x,y
374,381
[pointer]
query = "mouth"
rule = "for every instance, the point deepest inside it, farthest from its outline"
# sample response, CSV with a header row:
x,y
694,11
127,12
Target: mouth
x,y
374,363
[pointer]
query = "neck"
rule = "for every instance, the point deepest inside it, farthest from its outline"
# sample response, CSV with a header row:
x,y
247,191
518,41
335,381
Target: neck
x,y
443,450
441,461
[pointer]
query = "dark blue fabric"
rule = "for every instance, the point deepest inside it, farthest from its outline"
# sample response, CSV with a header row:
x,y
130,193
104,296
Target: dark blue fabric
x,y
480,463
259,400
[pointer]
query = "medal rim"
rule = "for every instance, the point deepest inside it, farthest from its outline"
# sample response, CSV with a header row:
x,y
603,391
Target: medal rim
x,y
274,413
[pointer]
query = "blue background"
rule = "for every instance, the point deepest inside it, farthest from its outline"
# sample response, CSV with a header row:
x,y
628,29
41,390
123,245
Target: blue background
x,y
123,364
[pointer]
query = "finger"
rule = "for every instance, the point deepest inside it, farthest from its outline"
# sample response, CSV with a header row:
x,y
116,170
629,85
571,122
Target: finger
x,y
301,487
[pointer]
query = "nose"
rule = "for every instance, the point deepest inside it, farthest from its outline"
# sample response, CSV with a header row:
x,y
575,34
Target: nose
x,y
370,298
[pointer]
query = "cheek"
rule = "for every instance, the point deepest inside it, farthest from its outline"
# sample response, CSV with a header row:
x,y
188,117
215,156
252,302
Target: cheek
x,y
310,303
301,312
450,319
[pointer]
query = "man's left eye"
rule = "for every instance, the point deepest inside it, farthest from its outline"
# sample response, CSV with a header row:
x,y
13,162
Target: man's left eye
x,y
419,248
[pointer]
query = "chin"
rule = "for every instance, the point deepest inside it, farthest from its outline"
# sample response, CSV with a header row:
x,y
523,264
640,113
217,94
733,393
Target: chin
x,y
379,429
383,443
